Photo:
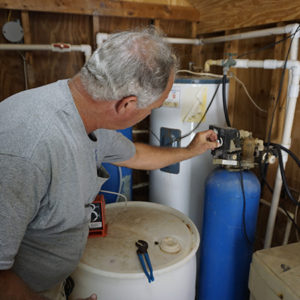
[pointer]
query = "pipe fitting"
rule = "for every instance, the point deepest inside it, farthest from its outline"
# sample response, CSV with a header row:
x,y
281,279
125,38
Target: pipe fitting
x,y
61,47
101,38
87,49
291,28
211,62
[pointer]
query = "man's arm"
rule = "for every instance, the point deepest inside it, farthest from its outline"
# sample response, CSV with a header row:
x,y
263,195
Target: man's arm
x,y
14,288
151,157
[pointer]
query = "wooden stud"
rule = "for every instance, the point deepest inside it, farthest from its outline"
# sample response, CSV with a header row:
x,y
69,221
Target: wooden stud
x,y
231,47
28,55
96,29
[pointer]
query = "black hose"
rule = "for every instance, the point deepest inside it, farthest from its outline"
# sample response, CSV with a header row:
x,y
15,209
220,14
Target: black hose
x,y
293,155
284,181
244,208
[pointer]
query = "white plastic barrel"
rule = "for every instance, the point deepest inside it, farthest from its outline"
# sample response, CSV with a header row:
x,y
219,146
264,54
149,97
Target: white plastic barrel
x,y
110,266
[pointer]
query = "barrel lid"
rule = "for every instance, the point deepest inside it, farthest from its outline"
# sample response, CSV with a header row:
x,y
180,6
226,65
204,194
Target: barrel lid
x,y
171,238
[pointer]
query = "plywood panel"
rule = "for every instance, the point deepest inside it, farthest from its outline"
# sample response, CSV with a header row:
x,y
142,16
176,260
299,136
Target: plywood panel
x,y
105,8
258,83
218,15
181,29
115,24
163,2
51,28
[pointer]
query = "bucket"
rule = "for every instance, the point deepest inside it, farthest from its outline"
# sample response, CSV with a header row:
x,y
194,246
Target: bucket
x,y
110,266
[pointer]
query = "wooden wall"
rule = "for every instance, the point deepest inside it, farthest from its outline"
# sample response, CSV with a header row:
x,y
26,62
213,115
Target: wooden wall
x,y
45,67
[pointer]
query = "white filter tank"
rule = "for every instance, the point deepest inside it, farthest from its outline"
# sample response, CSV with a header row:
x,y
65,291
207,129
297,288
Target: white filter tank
x,y
110,266
181,186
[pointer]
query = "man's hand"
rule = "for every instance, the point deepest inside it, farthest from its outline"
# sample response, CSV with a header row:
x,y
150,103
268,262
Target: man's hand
x,y
151,157
92,297
202,142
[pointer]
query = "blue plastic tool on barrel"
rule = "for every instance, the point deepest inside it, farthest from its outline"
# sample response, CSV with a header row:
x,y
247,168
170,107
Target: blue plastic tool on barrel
x,y
143,253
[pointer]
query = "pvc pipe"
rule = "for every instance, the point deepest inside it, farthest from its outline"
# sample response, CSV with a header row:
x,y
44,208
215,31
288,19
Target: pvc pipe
x,y
55,47
289,223
251,34
195,42
291,28
246,63
101,38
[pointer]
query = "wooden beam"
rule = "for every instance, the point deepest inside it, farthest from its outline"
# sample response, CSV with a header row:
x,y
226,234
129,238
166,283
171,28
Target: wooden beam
x,y
96,29
231,47
105,8
28,56
216,15
280,52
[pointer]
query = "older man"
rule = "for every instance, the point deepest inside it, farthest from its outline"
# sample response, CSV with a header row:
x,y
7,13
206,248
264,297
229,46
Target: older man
x,y
53,142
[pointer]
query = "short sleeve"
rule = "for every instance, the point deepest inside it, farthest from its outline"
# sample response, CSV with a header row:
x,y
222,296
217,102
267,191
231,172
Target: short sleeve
x,y
22,187
114,146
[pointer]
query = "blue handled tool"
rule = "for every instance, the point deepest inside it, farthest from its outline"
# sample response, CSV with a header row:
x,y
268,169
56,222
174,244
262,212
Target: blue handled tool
x,y
142,252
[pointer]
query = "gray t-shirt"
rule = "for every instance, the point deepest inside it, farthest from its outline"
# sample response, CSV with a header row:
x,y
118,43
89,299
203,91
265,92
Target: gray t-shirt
x,y
49,171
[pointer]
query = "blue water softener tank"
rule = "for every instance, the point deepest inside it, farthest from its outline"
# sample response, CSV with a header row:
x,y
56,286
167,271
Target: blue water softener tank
x,y
120,180
226,249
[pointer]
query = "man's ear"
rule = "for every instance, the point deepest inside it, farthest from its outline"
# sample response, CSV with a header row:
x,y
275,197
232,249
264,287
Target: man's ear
x,y
126,105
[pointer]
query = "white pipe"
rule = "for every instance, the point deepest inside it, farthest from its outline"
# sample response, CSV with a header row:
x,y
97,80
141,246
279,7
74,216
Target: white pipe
x,y
265,64
251,34
195,42
56,47
291,28
101,38
289,223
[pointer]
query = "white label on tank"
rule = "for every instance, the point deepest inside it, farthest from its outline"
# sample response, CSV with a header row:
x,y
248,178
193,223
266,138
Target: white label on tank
x,y
173,99
194,104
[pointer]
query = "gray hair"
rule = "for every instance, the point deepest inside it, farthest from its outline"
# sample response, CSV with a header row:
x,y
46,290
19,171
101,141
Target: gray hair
x,y
130,63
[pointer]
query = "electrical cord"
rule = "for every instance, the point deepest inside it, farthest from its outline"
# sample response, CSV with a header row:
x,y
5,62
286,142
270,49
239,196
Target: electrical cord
x,y
231,74
199,73
244,206
284,181
198,124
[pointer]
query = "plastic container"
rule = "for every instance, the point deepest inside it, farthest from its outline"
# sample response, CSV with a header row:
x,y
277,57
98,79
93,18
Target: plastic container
x,y
275,273
110,266
226,250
